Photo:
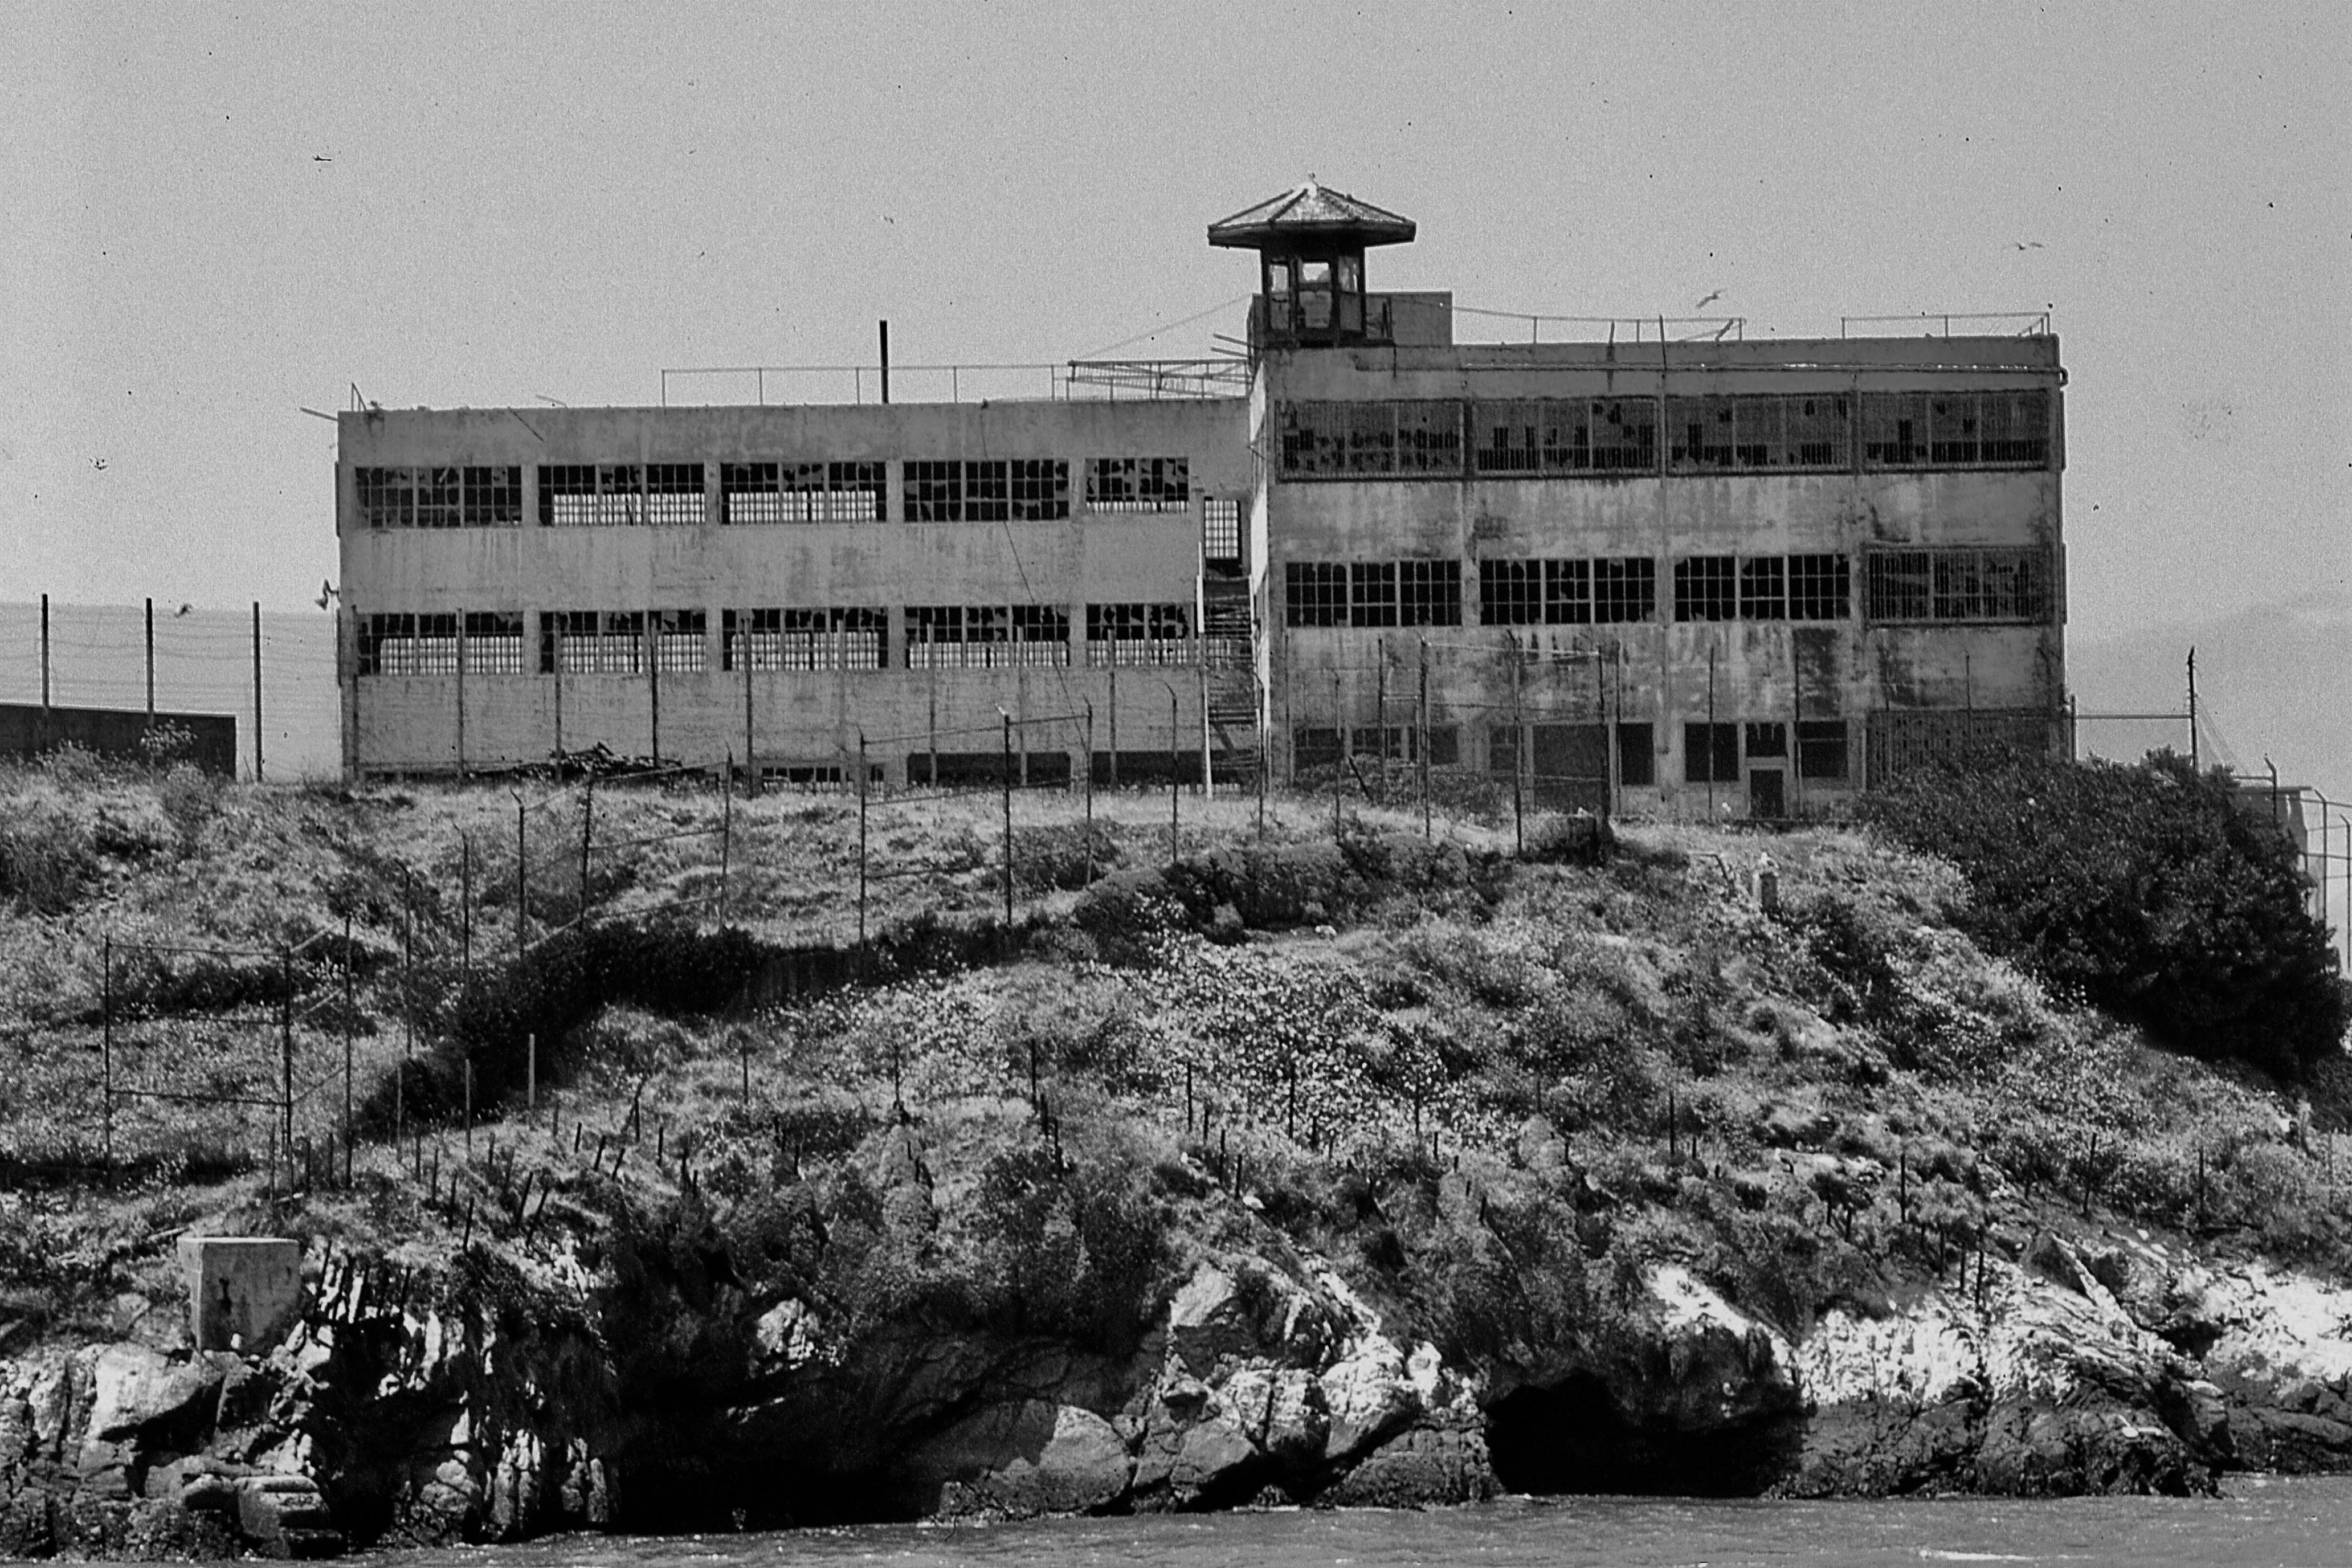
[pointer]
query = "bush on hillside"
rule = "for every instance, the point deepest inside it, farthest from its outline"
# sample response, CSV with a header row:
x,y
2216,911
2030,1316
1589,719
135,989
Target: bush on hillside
x,y
2149,889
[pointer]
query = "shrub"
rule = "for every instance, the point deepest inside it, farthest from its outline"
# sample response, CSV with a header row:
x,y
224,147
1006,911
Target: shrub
x,y
46,855
2149,889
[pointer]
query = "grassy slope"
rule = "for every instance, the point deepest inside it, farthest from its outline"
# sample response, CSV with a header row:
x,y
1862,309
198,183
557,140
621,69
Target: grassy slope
x,y
1494,1094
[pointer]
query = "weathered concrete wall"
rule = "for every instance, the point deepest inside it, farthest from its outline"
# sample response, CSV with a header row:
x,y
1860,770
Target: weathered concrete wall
x,y
244,1291
411,723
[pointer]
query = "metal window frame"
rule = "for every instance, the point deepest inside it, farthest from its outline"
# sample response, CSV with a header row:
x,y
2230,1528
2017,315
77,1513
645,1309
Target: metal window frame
x,y
1703,583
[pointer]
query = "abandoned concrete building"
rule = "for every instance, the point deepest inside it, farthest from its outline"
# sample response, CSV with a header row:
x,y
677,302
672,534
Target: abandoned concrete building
x,y
1661,568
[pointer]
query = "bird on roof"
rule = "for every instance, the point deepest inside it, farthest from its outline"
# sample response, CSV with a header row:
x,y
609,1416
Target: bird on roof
x,y
326,594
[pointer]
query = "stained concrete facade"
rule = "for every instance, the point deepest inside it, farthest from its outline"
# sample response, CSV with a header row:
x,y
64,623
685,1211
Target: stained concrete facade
x,y
1855,553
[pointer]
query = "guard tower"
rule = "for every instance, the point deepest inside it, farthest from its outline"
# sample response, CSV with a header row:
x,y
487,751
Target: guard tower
x,y
1310,244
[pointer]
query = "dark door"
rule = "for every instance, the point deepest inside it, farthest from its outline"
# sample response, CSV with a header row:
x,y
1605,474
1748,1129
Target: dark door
x,y
1765,796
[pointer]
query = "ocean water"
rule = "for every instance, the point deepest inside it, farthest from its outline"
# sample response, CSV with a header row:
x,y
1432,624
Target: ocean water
x,y
2275,1523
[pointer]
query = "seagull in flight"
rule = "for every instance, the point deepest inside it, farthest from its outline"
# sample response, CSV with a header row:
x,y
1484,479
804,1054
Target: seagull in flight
x,y
2029,245
1710,299
326,594
184,609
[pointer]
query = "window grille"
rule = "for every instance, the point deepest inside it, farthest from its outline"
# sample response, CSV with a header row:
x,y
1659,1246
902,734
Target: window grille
x,y
933,491
1625,588
589,495
494,642
970,636
1041,633
1568,593
1510,592
751,493
1995,429
1138,634
674,496
386,496
1710,753
440,497
1998,584
1702,588
592,642
1040,488
1220,529
1138,484
1763,588
835,637
1758,433
987,491
681,646
1348,440
1314,594
1372,594
1819,588
403,643
1429,593
1625,435
493,497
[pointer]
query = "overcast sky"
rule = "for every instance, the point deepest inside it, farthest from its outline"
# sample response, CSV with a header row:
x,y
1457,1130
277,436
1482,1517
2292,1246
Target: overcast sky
x,y
212,216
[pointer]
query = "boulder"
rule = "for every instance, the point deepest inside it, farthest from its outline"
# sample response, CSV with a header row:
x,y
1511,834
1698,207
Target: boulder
x,y
284,1516
1426,1467
1022,1458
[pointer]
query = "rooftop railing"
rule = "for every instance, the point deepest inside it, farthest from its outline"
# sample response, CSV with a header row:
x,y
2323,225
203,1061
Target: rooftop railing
x,y
1068,380
1939,324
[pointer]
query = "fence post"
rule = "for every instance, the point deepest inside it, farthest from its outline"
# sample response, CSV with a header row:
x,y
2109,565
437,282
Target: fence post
x,y
1421,739
408,1006
1380,719
1339,752
286,1057
530,1074
257,691
1090,792
743,652
1004,774
1175,766
587,828
469,1107
466,907
1208,774
1518,751
349,1007
1112,650
106,1052
522,871
726,835
863,777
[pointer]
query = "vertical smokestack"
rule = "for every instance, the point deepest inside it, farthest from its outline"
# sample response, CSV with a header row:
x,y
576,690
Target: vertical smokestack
x,y
886,362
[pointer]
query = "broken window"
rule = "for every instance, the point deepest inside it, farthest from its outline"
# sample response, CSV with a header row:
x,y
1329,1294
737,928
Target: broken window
x,y
493,497
1372,594
1710,753
440,497
1221,531
2000,427
1314,594
1960,583
404,643
1041,489
589,495
1625,435
1346,440
1702,588
1767,740
674,495
1138,484
1429,593
1510,592
1636,756
1554,436
681,641
1819,588
1625,588
1568,593
1758,433
387,496
1138,634
1503,748
1763,588
1822,750
494,642
933,491
988,491
934,637
834,638
1041,633
800,492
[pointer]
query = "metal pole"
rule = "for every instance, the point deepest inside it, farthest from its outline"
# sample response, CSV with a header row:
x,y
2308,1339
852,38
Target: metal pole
x,y
1421,739
1380,719
1265,746
1710,734
1338,752
1208,774
349,1011
1090,792
862,778
461,696
408,1003
653,678
151,661
522,870
743,652
1114,714
466,906
1519,752
1004,774
256,717
106,1052
45,658
286,1058
726,836
587,830
886,374
559,695
1175,763
2193,761
530,1073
